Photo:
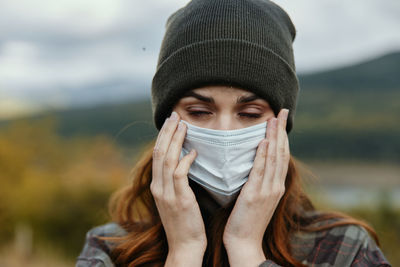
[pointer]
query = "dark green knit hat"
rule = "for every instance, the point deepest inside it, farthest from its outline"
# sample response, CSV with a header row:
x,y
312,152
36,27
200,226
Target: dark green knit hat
x,y
243,43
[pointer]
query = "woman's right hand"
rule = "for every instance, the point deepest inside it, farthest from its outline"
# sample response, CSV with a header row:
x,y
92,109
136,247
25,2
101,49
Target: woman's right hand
x,y
175,200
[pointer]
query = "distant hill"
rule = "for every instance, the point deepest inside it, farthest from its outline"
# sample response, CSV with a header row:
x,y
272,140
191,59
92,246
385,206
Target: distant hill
x,y
346,113
382,73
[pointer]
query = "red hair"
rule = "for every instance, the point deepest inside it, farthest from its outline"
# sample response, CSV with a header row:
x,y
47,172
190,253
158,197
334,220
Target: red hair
x,y
134,209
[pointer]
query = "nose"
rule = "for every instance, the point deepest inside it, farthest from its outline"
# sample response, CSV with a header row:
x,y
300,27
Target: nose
x,y
225,122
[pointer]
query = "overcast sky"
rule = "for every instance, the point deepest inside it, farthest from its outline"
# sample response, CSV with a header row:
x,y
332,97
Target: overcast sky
x,y
57,53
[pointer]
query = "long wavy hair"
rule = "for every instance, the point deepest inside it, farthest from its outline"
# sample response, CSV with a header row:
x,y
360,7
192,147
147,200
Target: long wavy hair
x,y
145,243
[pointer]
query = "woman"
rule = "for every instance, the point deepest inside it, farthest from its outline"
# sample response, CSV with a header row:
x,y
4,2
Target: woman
x,y
219,187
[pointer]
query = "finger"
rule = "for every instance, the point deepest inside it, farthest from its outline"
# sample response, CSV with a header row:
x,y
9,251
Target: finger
x,y
156,182
271,153
287,152
167,131
161,147
287,147
181,182
257,171
282,156
172,158
160,133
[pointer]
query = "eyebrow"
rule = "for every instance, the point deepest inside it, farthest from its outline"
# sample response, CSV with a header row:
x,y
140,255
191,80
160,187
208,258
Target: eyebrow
x,y
240,100
246,99
199,97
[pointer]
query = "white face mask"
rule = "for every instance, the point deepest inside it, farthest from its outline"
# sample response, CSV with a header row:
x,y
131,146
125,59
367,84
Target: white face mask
x,y
224,158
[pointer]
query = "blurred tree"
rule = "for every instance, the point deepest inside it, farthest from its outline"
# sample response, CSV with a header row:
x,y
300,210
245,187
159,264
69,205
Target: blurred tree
x,y
57,186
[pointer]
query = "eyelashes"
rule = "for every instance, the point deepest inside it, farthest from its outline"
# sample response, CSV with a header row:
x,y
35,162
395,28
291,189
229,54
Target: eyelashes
x,y
250,115
201,113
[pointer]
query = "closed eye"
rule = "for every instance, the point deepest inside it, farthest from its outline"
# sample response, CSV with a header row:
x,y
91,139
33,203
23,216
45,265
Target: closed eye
x,y
199,113
250,115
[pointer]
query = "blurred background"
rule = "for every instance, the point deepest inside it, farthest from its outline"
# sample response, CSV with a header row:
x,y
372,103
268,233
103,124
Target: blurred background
x,y
75,113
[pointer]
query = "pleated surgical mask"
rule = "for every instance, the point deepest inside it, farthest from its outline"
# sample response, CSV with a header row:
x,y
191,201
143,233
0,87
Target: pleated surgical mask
x,y
224,158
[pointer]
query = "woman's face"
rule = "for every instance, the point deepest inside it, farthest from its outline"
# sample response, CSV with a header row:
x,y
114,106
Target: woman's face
x,y
221,107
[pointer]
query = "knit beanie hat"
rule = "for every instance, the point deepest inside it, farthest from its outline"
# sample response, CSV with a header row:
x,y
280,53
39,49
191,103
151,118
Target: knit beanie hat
x,y
242,43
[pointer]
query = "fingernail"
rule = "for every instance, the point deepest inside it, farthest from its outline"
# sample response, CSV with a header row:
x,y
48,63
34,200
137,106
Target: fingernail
x,y
181,126
285,113
174,116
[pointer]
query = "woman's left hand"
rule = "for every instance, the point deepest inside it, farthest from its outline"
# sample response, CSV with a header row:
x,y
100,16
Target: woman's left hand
x,y
259,197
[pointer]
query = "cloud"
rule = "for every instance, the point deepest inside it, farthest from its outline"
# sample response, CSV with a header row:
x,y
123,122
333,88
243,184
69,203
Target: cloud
x,y
333,33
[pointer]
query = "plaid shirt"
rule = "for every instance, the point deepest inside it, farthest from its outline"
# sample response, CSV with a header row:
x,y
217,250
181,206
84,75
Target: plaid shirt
x,y
342,246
